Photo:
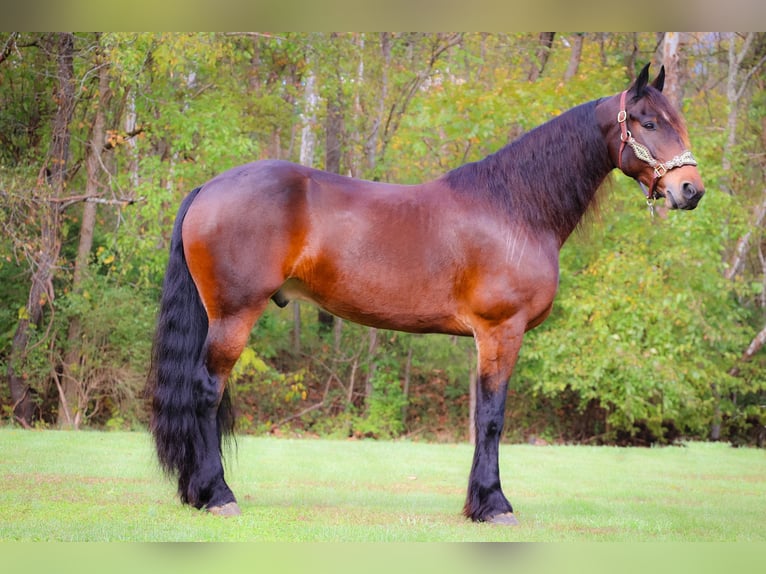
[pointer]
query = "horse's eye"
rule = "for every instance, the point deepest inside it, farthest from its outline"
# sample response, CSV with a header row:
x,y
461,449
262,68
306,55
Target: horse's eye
x,y
650,126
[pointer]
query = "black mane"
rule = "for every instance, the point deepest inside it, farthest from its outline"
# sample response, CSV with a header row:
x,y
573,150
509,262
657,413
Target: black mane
x,y
548,177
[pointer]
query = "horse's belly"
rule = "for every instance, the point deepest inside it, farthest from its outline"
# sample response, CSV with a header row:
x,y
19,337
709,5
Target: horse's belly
x,y
413,312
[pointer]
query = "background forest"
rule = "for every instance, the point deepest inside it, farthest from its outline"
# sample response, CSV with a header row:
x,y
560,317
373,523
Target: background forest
x,y
657,328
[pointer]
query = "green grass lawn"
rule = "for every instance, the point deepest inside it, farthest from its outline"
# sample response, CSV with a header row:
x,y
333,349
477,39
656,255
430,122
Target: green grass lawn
x,y
93,486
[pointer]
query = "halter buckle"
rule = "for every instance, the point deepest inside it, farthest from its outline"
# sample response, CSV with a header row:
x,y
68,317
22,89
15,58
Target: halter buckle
x,y
660,170
622,115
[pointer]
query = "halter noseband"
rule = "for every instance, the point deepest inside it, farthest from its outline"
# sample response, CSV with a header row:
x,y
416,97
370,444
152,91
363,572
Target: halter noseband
x,y
643,153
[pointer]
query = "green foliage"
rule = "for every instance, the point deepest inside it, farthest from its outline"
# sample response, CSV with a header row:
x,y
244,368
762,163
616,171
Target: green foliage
x,y
22,125
116,325
262,394
383,417
639,327
645,329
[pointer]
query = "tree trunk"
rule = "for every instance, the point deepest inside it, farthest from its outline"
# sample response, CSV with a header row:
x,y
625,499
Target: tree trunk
x,y
731,95
755,345
407,379
356,161
72,399
130,128
308,147
762,259
334,123
393,103
736,83
333,132
337,333
59,153
41,289
371,144
308,119
670,56
297,328
632,57
372,348
545,45
575,56
735,88
737,262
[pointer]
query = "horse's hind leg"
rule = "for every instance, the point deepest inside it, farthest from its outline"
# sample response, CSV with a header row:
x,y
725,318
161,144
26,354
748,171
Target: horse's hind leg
x,y
226,339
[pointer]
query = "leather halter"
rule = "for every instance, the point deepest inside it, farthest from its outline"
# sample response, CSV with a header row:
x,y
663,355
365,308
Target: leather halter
x,y
643,153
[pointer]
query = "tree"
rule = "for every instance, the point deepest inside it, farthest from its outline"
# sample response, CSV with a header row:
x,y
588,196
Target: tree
x,y
745,60
737,83
537,65
333,153
670,58
575,56
664,308
308,147
72,396
50,189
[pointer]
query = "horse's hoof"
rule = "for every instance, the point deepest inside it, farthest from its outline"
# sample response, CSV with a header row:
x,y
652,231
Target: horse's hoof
x,y
506,519
228,509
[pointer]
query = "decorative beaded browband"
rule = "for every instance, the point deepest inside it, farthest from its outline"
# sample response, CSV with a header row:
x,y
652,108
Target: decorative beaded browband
x,y
643,153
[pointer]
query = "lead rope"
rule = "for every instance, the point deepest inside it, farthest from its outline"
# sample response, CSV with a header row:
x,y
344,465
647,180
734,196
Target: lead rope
x,y
650,205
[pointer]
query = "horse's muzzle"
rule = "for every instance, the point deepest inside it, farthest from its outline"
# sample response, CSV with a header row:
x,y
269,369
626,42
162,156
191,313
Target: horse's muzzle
x,y
687,197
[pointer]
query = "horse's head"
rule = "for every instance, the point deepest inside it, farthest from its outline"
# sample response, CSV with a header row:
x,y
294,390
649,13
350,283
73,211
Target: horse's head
x,y
653,145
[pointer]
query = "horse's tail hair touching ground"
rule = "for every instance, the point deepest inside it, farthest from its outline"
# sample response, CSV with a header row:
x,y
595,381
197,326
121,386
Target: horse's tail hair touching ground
x,y
177,357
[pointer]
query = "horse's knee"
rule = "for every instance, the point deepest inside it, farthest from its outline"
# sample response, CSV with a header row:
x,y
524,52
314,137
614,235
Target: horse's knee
x,y
493,428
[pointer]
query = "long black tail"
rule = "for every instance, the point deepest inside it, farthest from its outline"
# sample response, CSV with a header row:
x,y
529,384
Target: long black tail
x,y
177,357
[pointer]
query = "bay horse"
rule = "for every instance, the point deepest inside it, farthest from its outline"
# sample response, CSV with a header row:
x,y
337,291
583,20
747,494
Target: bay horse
x,y
474,252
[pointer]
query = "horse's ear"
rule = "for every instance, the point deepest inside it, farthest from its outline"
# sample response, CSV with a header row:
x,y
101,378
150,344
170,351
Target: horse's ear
x,y
643,79
659,81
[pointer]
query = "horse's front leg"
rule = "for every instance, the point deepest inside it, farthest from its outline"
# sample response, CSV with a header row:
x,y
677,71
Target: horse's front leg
x,y
498,349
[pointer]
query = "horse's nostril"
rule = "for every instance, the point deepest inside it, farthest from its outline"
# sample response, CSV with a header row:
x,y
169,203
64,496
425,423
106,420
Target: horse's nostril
x,y
688,190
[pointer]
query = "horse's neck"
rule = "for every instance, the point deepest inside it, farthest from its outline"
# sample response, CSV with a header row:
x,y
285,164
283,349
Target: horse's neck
x,y
556,169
